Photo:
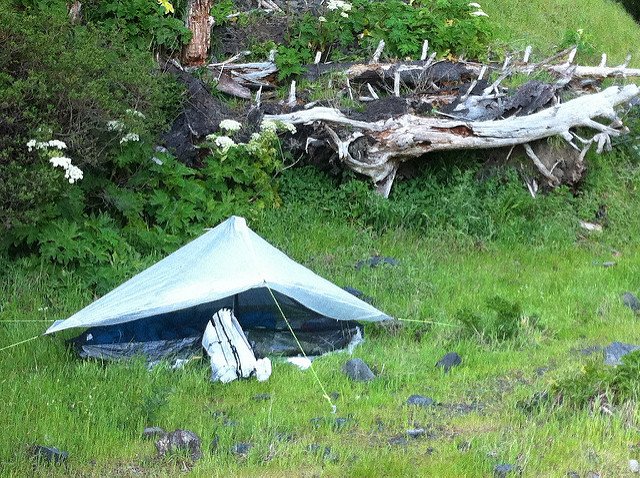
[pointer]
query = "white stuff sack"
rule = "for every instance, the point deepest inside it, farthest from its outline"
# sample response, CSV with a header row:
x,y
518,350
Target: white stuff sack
x,y
230,352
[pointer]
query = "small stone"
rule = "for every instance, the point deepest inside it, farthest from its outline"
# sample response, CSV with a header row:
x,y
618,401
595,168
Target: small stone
x,y
613,353
502,470
261,397
592,474
631,301
573,474
48,454
213,446
420,401
357,370
179,440
399,440
634,466
241,449
452,359
340,423
608,264
375,261
152,432
416,432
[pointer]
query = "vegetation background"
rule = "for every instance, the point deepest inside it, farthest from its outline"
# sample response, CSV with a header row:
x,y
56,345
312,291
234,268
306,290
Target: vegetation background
x,y
511,283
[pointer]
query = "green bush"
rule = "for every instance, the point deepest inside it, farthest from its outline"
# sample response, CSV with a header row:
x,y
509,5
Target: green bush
x,y
350,27
105,100
504,320
600,383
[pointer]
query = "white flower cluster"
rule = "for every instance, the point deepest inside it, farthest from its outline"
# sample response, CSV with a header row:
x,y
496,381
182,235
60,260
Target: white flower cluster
x,y
71,173
230,126
136,113
54,143
340,5
129,137
479,12
115,125
224,142
272,126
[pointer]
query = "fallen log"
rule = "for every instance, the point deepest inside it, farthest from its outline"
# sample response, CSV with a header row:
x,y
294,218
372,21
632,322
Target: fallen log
x,y
376,149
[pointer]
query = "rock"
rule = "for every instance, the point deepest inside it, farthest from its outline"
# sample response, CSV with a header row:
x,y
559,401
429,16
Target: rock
x,y
592,474
573,474
177,441
325,452
452,359
613,353
48,454
375,261
201,116
502,470
420,401
262,397
241,449
152,432
357,370
634,466
608,264
416,432
631,301
213,446
359,294
340,422
399,440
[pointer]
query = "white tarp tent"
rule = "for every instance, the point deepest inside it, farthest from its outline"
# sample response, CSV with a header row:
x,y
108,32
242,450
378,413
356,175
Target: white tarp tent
x,y
227,260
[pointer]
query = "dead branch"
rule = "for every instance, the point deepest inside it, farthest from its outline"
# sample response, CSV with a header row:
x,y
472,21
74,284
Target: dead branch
x,y
377,148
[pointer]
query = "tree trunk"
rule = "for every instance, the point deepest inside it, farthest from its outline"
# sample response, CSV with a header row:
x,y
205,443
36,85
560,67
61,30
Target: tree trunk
x,y
198,21
75,11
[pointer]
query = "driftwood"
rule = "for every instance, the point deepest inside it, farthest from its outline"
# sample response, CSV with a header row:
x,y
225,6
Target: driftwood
x,y
376,149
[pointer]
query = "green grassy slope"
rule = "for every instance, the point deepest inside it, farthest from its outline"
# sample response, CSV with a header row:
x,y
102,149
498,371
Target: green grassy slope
x,y
606,26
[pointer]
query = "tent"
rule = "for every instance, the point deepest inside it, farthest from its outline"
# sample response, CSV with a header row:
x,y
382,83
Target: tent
x,y
165,309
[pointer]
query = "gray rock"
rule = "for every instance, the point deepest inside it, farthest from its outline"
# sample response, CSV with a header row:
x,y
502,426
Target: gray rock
x,y
573,474
631,301
48,454
416,432
634,466
613,353
152,432
452,359
608,264
241,449
502,470
592,474
375,261
420,401
178,441
357,370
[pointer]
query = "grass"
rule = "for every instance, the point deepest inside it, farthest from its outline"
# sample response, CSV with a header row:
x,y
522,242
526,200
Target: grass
x,y
607,27
97,412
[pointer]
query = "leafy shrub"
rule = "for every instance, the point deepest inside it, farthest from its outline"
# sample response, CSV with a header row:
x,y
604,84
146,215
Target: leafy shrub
x,y
347,28
599,383
73,84
66,83
505,320
144,24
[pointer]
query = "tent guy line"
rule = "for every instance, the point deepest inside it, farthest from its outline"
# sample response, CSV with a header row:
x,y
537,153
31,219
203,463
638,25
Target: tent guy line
x,y
325,395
